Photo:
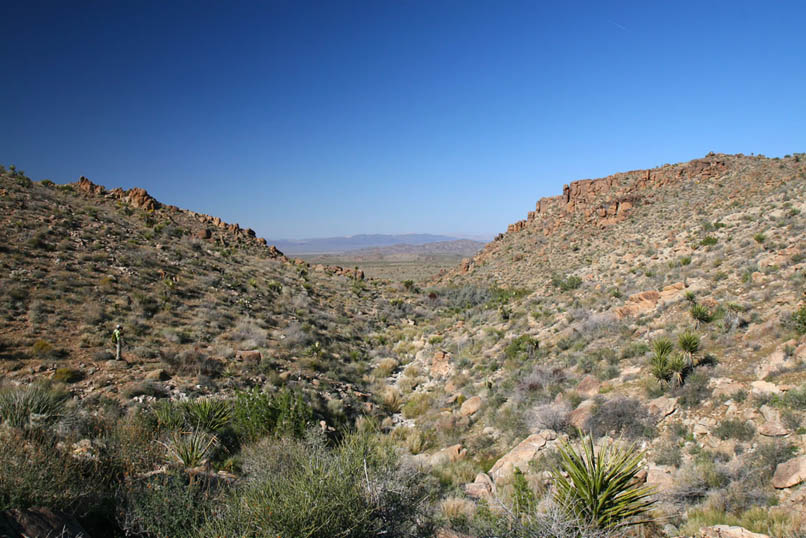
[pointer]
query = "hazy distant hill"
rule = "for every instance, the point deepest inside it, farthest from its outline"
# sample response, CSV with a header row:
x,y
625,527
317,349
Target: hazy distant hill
x,y
459,248
323,245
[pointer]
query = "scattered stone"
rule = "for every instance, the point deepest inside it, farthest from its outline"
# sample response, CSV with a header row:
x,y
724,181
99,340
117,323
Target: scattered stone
x,y
764,387
249,356
659,476
441,365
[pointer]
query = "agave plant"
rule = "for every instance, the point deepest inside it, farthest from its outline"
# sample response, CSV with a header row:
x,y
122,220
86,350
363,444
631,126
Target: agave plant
x,y
599,487
700,314
169,415
208,414
191,449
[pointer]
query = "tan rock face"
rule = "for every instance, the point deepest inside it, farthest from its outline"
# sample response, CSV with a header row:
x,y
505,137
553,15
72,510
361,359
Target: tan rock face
x,y
790,473
662,407
773,425
441,365
521,455
471,406
727,531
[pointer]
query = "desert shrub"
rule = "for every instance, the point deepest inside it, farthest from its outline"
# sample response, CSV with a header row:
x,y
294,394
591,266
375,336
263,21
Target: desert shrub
x,y
37,471
67,375
464,297
42,349
735,429
758,520
256,414
568,283
31,405
694,391
301,488
165,505
797,320
145,388
551,417
522,347
622,416
795,398
668,453
417,404
103,356
169,415
599,487
191,362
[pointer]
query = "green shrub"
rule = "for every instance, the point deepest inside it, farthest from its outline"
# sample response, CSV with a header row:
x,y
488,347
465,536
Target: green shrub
x,y
701,314
417,404
522,347
566,284
708,241
600,487
191,449
622,416
795,398
165,505
256,414
735,429
798,320
303,489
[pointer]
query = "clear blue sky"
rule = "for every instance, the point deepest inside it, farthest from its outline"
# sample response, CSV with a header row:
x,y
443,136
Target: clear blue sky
x,y
304,119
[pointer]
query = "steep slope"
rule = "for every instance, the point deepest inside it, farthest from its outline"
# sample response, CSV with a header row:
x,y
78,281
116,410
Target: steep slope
x,y
205,305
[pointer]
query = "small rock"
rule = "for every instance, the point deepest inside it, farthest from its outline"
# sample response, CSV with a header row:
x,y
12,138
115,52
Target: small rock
x,y
728,531
588,387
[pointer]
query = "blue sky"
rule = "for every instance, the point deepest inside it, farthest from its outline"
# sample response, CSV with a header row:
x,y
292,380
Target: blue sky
x,y
306,119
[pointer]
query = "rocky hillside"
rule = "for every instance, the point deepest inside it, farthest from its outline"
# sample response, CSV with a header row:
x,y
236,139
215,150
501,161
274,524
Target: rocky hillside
x,y
205,305
665,306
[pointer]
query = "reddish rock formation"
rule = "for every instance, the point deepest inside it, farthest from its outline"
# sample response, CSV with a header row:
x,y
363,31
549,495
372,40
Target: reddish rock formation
x,y
88,186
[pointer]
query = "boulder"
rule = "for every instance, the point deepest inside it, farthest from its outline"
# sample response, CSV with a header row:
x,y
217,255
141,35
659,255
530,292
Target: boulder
x,y
157,375
32,522
482,487
728,531
764,387
249,356
140,198
521,455
579,416
470,406
773,425
441,365
662,407
448,455
659,477
790,473
588,387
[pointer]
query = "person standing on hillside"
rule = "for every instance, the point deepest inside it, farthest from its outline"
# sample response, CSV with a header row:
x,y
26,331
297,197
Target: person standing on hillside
x,y
118,335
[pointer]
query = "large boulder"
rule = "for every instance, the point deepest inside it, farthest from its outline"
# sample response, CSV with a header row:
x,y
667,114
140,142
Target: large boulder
x,y
790,473
35,522
521,455
448,455
579,417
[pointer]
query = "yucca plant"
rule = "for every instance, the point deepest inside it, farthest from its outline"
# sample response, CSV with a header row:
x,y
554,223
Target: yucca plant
x,y
659,361
599,487
26,406
191,449
700,314
169,415
208,414
689,342
677,366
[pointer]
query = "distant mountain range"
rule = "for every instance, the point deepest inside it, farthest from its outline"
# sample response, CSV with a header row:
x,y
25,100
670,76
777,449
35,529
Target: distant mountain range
x,y
333,245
